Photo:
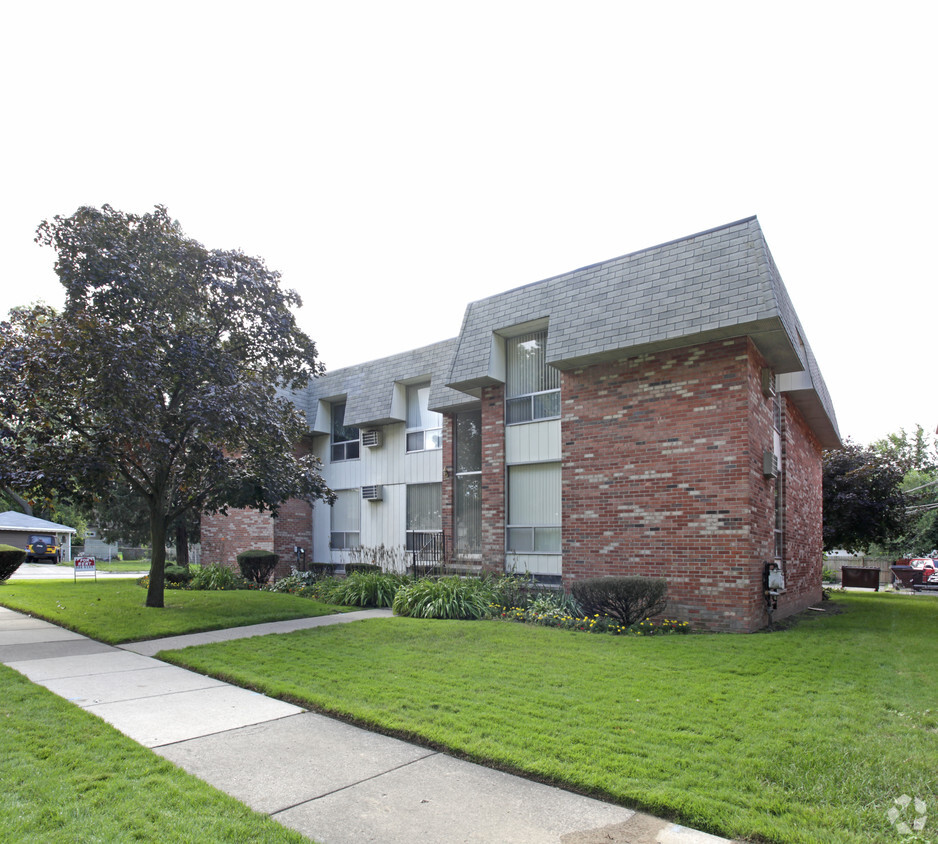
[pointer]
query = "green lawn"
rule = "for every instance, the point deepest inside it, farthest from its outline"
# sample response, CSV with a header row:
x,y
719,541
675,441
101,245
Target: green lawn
x,y
115,565
113,611
803,735
68,776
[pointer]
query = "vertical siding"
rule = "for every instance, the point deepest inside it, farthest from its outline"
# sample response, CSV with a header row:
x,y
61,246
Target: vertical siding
x,y
534,442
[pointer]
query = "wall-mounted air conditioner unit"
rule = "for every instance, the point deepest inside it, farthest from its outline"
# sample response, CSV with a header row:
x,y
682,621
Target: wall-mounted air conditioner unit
x,y
371,439
371,493
769,464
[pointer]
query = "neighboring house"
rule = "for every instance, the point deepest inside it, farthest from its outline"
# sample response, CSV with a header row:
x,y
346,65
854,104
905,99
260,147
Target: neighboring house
x,y
16,529
660,413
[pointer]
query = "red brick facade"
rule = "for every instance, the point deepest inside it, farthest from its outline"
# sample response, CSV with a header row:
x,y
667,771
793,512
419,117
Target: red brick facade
x,y
663,475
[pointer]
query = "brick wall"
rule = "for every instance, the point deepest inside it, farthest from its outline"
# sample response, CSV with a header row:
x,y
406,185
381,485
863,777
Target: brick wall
x,y
662,475
493,478
224,537
804,541
449,482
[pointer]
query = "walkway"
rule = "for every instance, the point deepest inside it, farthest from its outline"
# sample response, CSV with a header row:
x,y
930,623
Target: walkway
x,y
332,782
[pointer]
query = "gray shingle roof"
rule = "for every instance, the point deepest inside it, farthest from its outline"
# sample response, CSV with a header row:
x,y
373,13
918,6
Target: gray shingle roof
x,y
712,285
369,387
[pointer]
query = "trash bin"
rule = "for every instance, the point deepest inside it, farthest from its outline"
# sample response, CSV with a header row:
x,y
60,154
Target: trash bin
x,y
864,577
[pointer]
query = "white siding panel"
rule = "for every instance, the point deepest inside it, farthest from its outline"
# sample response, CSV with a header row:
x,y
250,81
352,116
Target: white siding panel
x,y
383,522
533,442
534,563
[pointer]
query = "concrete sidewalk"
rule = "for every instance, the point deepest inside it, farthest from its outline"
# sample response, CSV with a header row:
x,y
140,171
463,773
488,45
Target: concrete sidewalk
x,y
330,781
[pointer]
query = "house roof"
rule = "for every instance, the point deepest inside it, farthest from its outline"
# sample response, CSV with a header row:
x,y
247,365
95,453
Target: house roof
x,y
11,520
713,285
374,391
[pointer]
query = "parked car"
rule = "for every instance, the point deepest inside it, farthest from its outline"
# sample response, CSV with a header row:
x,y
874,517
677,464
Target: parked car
x,y
916,573
42,546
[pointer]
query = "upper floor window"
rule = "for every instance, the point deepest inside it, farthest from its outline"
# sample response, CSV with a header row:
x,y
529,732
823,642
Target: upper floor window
x,y
424,426
532,387
345,438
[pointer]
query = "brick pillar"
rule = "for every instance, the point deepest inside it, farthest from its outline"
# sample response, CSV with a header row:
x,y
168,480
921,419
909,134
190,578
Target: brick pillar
x,y
493,478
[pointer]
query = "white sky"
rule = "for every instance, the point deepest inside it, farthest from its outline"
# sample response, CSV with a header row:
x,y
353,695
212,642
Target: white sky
x,y
396,160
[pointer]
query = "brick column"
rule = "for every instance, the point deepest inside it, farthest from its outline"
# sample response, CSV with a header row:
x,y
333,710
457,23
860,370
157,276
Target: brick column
x,y
493,478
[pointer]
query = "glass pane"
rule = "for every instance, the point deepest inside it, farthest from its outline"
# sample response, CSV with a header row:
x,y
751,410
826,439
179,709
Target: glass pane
x,y
346,512
351,450
340,431
414,419
534,494
338,452
434,439
547,539
518,410
424,507
520,540
469,441
468,507
415,441
337,541
546,405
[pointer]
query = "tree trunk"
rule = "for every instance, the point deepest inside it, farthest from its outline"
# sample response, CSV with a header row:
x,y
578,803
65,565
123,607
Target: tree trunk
x,y
21,502
158,556
182,544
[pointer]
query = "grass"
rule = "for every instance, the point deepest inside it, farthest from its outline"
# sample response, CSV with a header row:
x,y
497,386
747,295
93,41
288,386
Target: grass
x,y
115,565
113,611
804,735
68,776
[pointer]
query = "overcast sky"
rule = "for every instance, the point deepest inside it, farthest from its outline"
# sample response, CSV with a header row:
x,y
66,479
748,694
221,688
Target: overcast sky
x,y
397,160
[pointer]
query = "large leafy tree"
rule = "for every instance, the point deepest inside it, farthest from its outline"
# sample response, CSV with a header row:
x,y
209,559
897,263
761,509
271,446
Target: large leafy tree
x,y
863,498
166,372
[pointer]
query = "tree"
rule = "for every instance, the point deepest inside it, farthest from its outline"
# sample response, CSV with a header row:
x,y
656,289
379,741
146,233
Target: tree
x,y
863,499
166,371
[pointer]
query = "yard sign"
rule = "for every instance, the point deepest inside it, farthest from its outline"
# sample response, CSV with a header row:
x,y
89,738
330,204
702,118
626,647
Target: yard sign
x,y
85,564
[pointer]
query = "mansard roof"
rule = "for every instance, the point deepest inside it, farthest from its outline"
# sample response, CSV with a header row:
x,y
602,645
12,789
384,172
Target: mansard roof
x,y
713,285
374,391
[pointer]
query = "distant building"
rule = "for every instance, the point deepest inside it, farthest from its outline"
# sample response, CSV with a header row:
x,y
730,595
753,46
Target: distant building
x,y
659,413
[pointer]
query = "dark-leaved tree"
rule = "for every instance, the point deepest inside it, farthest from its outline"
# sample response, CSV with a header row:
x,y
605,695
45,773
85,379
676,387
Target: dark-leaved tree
x,y
863,499
164,372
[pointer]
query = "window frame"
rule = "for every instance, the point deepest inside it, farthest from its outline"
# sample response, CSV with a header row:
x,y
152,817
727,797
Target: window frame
x,y
348,449
529,399
413,432
344,544
524,527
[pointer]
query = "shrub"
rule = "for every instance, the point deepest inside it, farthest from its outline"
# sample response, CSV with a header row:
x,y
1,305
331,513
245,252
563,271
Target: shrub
x,y
828,575
362,568
179,575
257,565
446,597
215,578
628,599
10,560
368,589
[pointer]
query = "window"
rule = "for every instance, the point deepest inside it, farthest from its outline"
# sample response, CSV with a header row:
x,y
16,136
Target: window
x,y
424,427
425,519
346,520
534,508
345,442
532,387
467,503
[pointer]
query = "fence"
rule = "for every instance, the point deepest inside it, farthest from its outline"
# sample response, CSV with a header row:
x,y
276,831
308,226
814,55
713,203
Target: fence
x,y
881,563
105,551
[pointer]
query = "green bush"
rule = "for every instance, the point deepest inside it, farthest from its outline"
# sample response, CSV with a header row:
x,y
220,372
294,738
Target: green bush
x,y
629,599
828,575
179,575
10,560
368,589
257,565
361,568
445,597
216,578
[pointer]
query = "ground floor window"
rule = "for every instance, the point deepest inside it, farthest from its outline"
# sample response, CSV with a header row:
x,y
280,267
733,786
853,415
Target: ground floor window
x,y
346,520
534,509
425,519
